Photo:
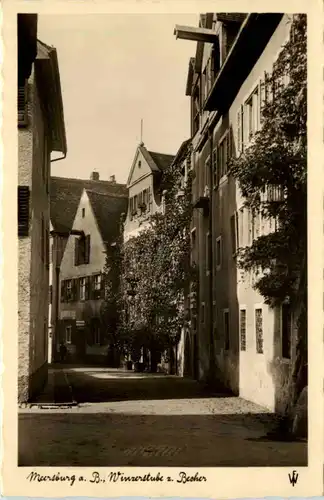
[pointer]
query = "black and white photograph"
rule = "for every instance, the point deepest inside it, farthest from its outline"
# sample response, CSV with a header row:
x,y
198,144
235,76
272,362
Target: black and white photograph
x,y
162,239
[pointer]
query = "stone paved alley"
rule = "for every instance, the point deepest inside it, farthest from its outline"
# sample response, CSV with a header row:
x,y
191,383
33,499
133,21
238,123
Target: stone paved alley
x,y
128,419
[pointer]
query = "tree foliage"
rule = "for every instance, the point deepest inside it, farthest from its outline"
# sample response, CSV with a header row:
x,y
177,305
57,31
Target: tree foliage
x,y
155,270
277,158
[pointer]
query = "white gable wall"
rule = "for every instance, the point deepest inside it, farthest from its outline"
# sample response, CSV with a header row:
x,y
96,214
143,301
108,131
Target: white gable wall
x,y
97,256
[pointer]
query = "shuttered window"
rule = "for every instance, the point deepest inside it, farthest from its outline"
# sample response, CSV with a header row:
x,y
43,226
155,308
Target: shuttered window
x,y
76,252
22,99
234,232
63,291
259,330
82,287
87,249
215,169
23,210
243,329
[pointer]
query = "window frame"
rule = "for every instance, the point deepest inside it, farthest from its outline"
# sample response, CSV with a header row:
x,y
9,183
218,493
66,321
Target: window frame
x,y
258,307
68,336
82,289
243,308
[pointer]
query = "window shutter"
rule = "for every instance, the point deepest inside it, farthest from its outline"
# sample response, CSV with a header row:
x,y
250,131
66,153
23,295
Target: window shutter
x,y
76,252
92,291
102,286
87,287
23,210
22,99
63,291
74,289
87,249
233,233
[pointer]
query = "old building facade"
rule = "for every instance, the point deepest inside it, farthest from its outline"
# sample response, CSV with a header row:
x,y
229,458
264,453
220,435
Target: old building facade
x,y
40,132
65,194
240,340
96,225
145,196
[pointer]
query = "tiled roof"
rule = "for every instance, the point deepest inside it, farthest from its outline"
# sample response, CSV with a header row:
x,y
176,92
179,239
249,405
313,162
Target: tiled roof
x,y
107,209
65,195
161,160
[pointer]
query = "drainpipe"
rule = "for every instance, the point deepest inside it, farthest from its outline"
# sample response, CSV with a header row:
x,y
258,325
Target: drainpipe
x,y
56,312
211,263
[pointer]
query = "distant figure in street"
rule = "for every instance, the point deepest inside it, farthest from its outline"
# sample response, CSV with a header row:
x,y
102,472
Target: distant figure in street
x,y
63,352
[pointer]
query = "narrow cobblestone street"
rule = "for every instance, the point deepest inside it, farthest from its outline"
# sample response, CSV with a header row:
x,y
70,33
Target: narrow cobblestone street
x,y
126,419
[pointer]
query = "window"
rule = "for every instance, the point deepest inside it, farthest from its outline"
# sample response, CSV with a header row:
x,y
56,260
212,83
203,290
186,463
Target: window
x,y
226,330
218,252
234,232
223,156
23,210
82,288
215,169
243,329
207,176
240,130
83,213
68,290
97,281
82,250
50,294
240,222
259,330
22,100
286,324
68,334
255,225
252,114
139,164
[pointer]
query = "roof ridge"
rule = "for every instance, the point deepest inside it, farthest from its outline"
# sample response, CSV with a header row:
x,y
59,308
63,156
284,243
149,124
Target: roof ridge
x,y
157,153
111,183
110,195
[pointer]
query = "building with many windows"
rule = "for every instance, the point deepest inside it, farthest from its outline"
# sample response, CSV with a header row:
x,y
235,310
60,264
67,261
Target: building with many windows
x,y
240,340
96,226
145,196
41,131
65,194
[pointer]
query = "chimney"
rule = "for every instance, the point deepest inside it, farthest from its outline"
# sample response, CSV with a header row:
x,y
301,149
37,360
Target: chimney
x,y
112,179
94,176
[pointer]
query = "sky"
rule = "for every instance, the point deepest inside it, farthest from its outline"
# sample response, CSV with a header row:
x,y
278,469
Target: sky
x,y
116,70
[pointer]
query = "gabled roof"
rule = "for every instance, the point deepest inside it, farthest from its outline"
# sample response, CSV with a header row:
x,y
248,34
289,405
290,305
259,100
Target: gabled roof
x,y
65,194
107,210
156,161
182,151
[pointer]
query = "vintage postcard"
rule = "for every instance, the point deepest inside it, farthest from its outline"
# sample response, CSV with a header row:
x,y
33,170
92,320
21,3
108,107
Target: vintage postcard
x,y
162,248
